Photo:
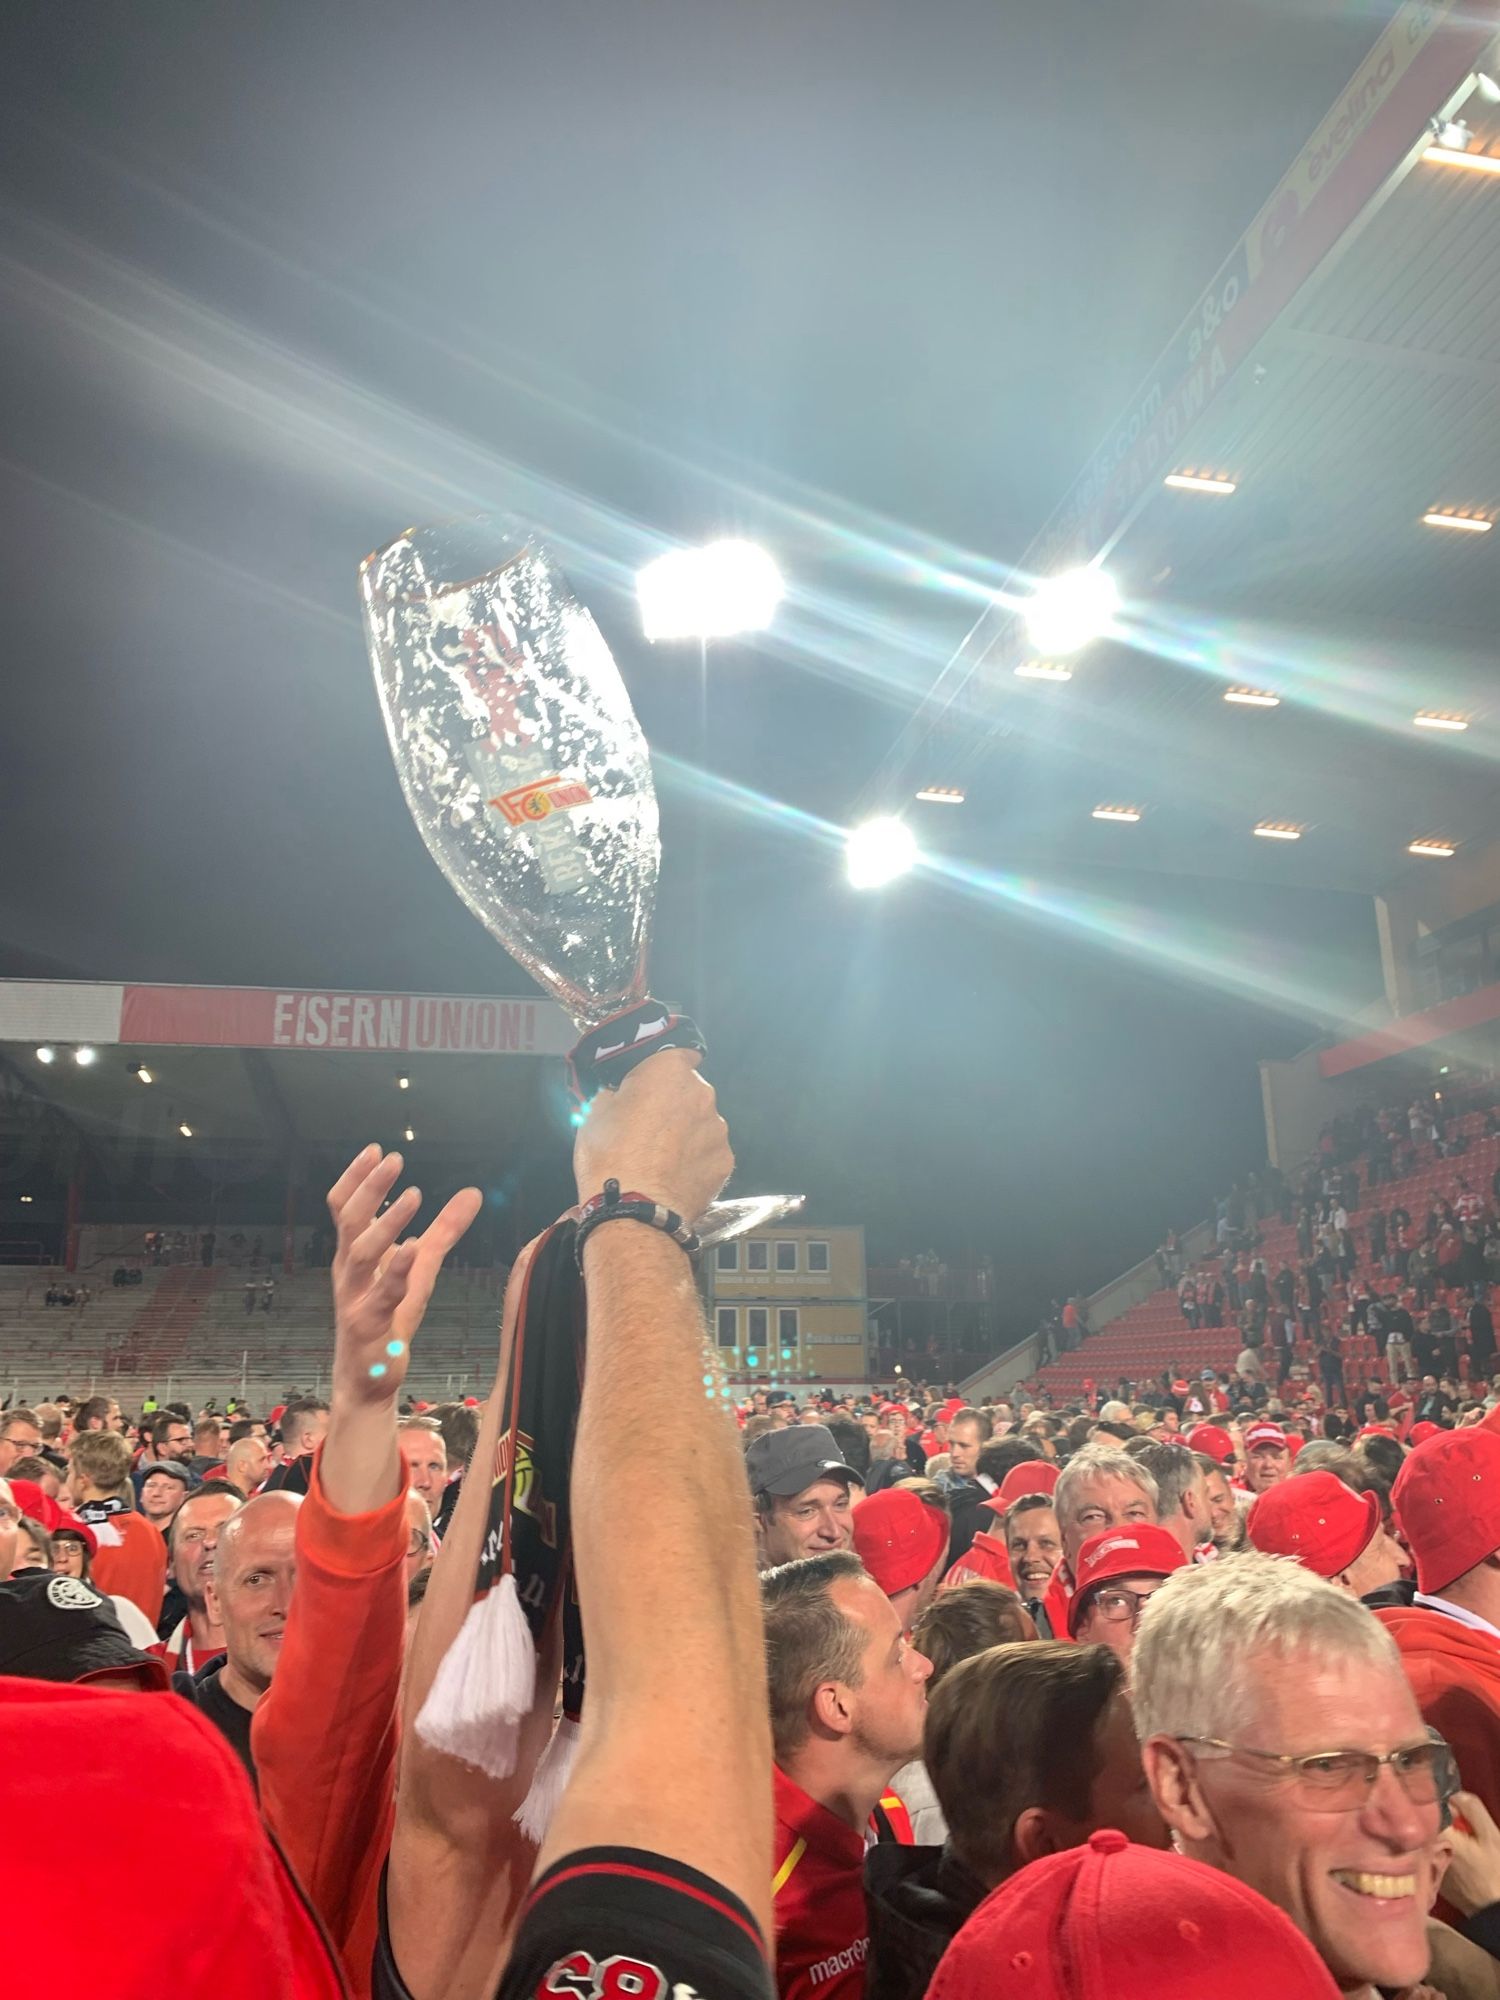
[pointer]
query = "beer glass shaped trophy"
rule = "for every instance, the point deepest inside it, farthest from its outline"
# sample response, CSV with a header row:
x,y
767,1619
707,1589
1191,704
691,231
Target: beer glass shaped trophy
x,y
527,774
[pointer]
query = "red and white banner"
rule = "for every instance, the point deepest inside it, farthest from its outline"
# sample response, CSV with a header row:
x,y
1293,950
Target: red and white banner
x,y
268,1017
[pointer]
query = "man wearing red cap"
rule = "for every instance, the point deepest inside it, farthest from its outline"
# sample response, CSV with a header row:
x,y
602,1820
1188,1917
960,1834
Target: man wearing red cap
x,y
1268,1458
903,1543
1118,1573
1447,1499
848,1700
1327,1527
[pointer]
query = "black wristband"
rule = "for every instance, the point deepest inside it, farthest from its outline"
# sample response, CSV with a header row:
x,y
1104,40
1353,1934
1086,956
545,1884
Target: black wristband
x,y
613,1206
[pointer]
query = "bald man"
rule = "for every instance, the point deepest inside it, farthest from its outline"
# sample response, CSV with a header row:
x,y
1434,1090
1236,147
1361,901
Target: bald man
x,y
248,1595
247,1465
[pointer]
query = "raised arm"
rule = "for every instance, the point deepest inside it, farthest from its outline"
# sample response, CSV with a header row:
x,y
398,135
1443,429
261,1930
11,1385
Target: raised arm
x,y
675,1751
459,1865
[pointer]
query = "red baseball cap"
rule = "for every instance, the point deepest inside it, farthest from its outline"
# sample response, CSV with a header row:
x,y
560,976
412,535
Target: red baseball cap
x,y
1447,1499
1112,1921
1386,1431
1265,1434
898,1538
1116,1552
1316,1519
1036,1475
1212,1440
32,1501
1420,1433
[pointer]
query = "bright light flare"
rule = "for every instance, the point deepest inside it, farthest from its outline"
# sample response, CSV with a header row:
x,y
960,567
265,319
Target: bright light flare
x,y
1466,524
1066,612
142,1074
409,1135
941,795
186,1131
1433,718
1275,829
1199,482
879,852
1126,815
85,1056
1252,697
709,593
1043,670
1477,163
46,1053
1435,849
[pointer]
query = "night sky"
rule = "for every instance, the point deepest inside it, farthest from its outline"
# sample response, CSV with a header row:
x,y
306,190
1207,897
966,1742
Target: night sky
x,y
863,280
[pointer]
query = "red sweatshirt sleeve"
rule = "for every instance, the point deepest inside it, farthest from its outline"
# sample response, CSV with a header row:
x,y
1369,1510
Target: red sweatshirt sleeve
x,y
324,1738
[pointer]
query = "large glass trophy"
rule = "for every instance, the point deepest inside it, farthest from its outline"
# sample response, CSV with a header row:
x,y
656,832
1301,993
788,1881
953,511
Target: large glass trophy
x,y
526,772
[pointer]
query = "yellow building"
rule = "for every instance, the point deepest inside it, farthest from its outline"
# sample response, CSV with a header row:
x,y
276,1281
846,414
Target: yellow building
x,y
790,1300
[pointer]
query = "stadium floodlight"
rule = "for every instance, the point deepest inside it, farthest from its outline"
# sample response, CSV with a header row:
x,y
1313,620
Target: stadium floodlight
x,y
1477,163
1043,670
186,1131
1436,718
1125,815
1277,829
1487,87
1064,613
714,592
1199,482
85,1056
941,795
878,852
403,1083
1452,134
409,1135
141,1074
26,1200
46,1053
1466,524
1432,846
1252,697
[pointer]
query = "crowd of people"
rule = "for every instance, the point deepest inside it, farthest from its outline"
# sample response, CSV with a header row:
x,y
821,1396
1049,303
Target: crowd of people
x,y
1163,1692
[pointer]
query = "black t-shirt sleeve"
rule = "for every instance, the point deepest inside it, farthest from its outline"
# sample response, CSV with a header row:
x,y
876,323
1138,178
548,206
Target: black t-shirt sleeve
x,y
615,1923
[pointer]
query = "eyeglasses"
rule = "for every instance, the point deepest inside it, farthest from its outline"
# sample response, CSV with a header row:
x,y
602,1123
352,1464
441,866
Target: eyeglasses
x,y
1342,1780
419,1543
1115,1606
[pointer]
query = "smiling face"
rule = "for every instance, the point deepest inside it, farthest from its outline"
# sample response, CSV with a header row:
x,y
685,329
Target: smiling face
x,y
1034,1545
1357,1882
161,1496
1223,1515
820,1517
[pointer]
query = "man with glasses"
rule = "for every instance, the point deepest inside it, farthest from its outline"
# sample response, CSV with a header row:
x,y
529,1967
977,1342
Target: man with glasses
x,y
1283,1746
1118,1574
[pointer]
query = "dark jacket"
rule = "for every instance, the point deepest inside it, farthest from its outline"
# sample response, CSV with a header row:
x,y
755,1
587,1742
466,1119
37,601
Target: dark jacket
x,y
916,1899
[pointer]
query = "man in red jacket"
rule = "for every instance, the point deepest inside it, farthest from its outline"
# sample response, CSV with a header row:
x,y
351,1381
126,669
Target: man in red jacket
x,y
1447,1499
848,1700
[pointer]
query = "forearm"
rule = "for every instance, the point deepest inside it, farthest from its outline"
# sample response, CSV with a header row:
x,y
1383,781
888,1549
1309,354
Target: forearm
x,y
665,1563
361,1462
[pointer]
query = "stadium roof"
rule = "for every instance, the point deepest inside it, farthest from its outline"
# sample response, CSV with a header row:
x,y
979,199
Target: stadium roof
x,y
278,1074
1342,370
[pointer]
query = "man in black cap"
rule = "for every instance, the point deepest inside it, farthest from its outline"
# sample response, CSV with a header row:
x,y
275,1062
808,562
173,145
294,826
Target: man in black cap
x,y
803,1492
58,1628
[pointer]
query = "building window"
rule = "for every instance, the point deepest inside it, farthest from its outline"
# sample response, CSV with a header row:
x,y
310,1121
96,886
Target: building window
x,y
728,1257
728,1324
757,1255
786,1256
757,1327
817,1257
788,1331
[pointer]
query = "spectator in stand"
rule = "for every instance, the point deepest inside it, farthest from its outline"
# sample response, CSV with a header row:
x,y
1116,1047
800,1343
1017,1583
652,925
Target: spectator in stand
x,y
1283,1746
1330,1366
267,1292
1030,1750
1187,1299
802,1492
132,1557
163,1488
304,1424
1481,1341
249,1297
848,1700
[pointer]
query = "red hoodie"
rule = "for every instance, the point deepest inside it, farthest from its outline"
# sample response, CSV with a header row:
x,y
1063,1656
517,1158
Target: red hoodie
x,y
1455,1675
986,1557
